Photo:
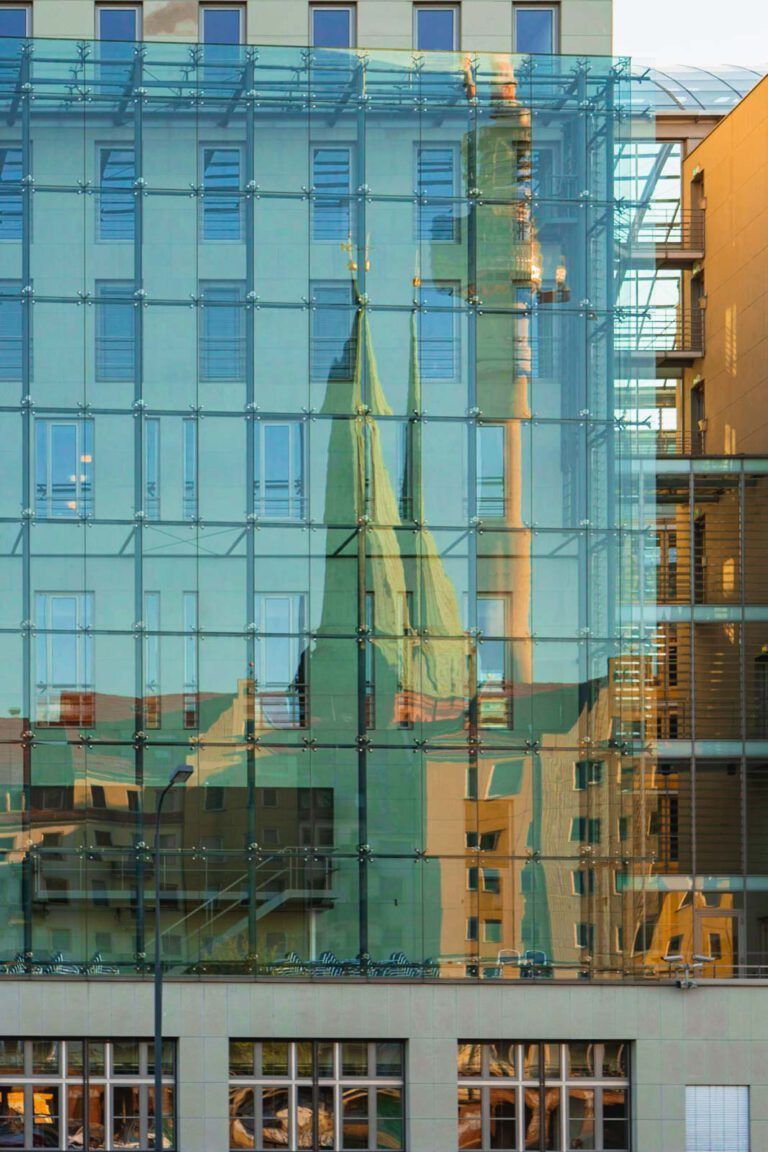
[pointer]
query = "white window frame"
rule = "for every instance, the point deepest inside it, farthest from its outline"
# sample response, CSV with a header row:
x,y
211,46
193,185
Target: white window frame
x,y
239,8
47,691
109,6
298,638
297,504
454,8
523,5
229,147
27,8
482,479
83,499
350,8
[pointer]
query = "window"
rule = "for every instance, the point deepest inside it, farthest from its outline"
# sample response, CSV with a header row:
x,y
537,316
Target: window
x,y
83,1093
222,333
279,482
494,694
221,204
503,1084
64,658
281,688
116,200
11,199
351,1095
491,472
436,27
152,690
189,467
332,335
492,931
332,183
332,26
152,468
717,1119
63,468
214,799
585,935
11,331
586,772
436,217
115,336
535,28
583,881
220,24
438,331
15,20
491,880
585,830
472,928
120,24
191,687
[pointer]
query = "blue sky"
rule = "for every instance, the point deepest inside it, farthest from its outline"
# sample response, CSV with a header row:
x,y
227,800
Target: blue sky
x,y
692,31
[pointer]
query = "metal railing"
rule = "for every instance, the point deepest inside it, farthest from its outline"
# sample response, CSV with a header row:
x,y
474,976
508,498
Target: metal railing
x,y
678,229
661,329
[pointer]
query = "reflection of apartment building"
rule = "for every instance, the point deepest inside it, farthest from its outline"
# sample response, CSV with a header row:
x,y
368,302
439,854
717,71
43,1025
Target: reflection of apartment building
x,y
363,454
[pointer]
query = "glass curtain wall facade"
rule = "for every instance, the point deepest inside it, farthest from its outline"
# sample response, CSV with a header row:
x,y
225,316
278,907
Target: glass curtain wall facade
x,y
316,480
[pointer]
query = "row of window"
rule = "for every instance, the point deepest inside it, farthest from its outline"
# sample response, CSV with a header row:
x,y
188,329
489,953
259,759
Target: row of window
x,y
222,177
322,1094
64,469
435,26
221,336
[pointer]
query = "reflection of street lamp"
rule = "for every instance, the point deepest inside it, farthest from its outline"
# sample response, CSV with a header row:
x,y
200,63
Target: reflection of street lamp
x,y
180,775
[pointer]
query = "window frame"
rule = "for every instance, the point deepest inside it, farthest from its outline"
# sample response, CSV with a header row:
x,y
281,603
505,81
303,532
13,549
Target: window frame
x,y
123,298
236,194
537,6
84,487
19,7
333,146
242,16
297,504
99,237
118,5
5,195
269,689
454,313
452,148
47,696
351,9
347,370
238,289
455,9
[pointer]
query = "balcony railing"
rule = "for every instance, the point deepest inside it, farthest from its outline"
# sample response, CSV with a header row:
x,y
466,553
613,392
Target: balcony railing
x,y
665,330
673,230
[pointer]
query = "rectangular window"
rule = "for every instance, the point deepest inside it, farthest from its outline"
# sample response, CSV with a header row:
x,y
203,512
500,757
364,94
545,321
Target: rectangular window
x,y
222,24
11,199
351,1094
436,27
436,217
332,332
502,1082
491,472
492,931
585,935
115,334
152,690
717,1118
63,469
191,681
536,30
116,199
152,468
332,185
64,658
438,331
119,24
332,25
279,481
84,1093
494,687
222,215
583,881
11,331
281,668
15,20
222,333
586,772
585,830
189,468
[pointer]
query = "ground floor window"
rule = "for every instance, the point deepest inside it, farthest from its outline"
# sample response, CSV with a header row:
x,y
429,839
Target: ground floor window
x,y
717,1118
316,1094
92,1094
544,1096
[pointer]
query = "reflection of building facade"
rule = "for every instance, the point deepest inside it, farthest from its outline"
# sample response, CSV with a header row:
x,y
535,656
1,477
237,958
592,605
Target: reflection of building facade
x,y
345,399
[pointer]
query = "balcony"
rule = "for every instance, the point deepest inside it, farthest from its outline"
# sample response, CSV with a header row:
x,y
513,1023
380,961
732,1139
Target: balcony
x,y
673,333
662,238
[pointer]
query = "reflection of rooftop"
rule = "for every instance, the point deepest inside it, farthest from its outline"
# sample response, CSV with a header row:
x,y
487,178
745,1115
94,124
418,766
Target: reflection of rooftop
x,y
681,88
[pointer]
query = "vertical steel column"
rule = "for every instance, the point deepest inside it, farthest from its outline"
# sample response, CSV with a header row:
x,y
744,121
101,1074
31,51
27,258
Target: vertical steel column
x,y
139,740
473,305
249,111
27,491
363,849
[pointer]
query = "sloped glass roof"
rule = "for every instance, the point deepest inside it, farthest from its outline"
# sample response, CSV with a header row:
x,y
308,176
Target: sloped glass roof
x,y
683,88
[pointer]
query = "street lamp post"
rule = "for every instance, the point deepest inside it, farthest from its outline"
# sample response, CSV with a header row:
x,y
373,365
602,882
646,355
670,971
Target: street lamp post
x,y
180,775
